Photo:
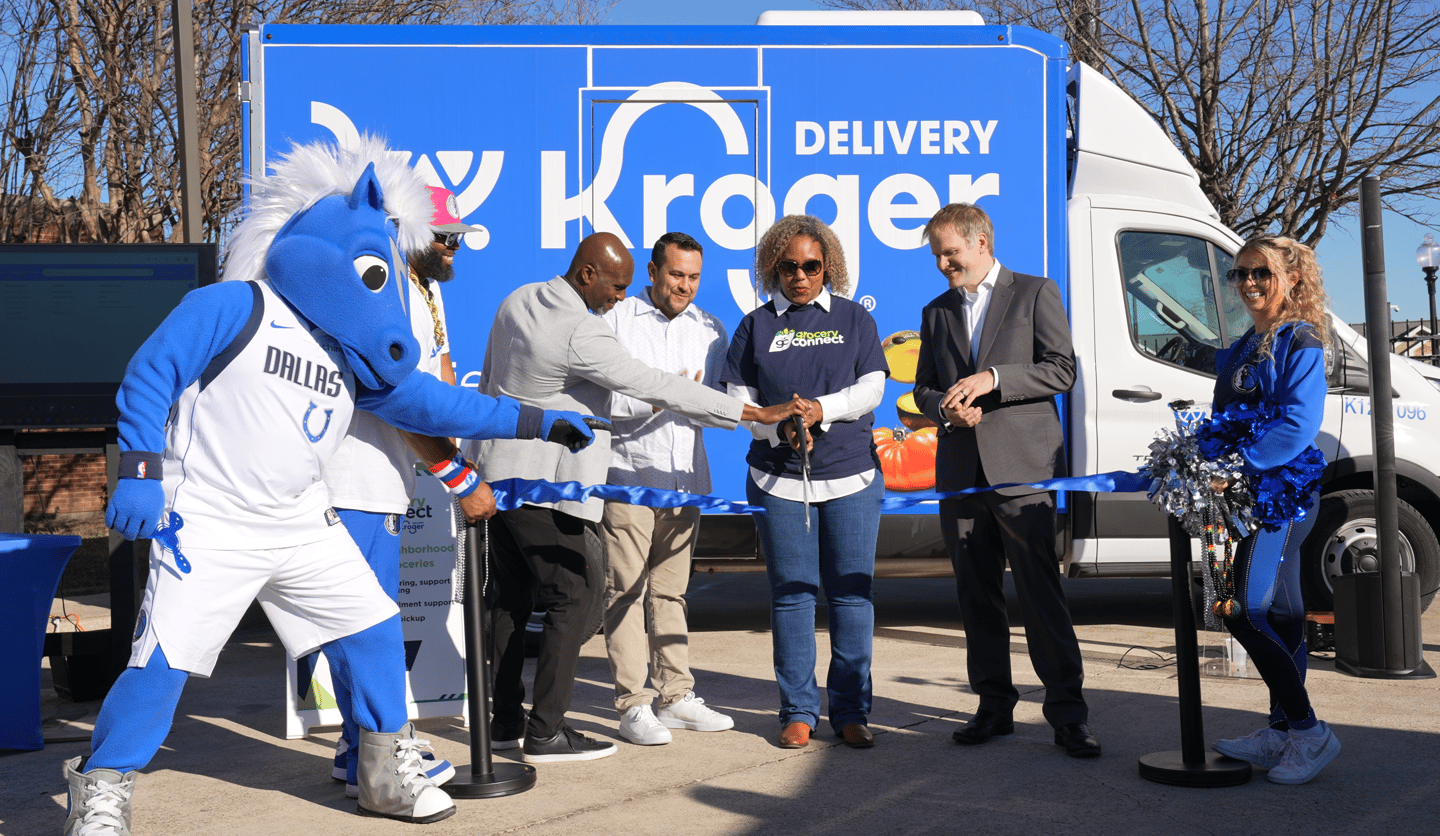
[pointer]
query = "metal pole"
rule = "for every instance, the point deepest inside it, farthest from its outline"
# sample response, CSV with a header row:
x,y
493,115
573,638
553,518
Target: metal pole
x,y
1430,280
1382,410
483,778
1192,766
189,145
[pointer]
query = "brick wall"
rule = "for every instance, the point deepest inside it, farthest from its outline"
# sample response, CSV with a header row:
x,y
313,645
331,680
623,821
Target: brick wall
x,y
72,484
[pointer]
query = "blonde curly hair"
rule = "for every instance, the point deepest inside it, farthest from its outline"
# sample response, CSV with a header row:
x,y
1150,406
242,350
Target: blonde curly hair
x,y
779,236
1305,300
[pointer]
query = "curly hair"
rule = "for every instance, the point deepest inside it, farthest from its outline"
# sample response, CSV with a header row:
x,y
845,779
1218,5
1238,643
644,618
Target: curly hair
x,y
779,236
1305,299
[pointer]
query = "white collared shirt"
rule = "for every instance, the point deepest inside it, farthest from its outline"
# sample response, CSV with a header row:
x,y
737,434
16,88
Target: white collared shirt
x,y
662,449
977,304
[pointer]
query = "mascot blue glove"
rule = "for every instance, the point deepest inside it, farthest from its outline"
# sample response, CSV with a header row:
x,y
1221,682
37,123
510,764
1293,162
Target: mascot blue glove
x,y
559,426
139,498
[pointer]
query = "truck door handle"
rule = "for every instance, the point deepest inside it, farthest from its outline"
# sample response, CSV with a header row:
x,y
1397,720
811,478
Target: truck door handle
x,y
1137,395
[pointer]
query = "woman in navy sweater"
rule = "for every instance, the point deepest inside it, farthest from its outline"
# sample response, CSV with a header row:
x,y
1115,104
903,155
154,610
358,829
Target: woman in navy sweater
x,y
1279,366
810,343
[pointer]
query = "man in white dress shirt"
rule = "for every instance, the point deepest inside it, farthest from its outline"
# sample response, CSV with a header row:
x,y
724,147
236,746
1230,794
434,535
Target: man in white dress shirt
x,y
648,549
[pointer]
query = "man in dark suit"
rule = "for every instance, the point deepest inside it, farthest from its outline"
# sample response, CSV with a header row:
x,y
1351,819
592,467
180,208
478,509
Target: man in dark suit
x,y
995,350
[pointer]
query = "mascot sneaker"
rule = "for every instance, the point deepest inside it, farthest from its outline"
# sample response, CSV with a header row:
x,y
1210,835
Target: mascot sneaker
x,y
691,713
393,783
1261,748
346,769
1305,755
99,801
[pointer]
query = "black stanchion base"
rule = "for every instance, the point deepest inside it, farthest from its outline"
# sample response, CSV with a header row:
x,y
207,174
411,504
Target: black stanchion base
x,y
1216,771
505,779
1422,672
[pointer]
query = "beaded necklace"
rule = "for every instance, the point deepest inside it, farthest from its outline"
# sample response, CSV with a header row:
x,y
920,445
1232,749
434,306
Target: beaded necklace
x,y
1222,575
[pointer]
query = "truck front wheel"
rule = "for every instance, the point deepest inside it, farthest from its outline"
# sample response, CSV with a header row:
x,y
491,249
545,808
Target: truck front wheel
x,y
1343,541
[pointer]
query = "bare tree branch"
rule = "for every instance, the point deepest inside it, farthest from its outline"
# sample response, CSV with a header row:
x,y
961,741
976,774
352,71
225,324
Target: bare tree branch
x,y
89,133
1281,106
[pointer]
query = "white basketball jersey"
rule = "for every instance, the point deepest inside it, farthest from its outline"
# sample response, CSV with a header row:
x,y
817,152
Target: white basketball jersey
x,y
247,442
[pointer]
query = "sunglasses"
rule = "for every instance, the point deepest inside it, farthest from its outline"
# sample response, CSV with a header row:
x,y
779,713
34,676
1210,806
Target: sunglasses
x,y
450,239
811,267
1240,275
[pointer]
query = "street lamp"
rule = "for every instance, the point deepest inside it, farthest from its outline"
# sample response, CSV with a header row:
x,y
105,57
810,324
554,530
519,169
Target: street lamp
x,y
1428,255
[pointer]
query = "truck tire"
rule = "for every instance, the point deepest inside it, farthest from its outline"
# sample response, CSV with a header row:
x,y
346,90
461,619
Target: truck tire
x,y
1343,541
597,569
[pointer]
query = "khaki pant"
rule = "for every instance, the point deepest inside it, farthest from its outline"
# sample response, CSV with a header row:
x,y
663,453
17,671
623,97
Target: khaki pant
x,y
648,550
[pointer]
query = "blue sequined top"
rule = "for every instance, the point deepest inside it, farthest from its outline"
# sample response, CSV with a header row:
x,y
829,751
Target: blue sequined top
x,y
1291,381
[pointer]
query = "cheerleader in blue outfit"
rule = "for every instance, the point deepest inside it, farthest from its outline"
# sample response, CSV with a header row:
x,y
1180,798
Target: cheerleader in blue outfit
x,y
1279,367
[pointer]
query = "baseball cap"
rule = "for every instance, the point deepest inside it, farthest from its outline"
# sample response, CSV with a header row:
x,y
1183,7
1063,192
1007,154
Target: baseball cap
x,y
447,212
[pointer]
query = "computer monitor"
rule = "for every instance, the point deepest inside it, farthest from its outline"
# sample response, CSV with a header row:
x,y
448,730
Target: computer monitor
x,y
71,316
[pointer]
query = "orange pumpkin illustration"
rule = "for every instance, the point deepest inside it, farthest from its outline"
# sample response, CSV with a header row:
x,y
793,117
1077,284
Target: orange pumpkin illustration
x,y
907,460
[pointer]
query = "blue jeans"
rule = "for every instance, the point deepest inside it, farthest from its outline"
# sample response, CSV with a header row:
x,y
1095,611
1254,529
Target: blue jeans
x,y
1271,622
839,549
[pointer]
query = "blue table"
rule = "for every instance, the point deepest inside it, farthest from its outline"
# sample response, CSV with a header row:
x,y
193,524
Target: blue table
x,y
31,565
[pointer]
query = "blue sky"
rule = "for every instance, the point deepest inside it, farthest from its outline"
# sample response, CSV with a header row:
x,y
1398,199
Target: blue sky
x,y
1339,252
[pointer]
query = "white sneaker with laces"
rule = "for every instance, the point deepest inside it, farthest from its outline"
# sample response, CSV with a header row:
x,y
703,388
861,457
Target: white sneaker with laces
x,y
691,713
1305,755
1261,748
639,726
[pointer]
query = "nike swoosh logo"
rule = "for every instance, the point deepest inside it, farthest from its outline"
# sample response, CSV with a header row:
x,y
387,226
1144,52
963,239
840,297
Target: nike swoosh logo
x,y
274,324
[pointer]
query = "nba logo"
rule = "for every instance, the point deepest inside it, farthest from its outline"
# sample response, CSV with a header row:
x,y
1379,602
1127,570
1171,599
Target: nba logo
x,y
140,473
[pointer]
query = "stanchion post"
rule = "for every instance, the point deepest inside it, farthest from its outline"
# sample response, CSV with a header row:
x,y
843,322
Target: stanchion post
x,y
1192,766
482,778
1377,618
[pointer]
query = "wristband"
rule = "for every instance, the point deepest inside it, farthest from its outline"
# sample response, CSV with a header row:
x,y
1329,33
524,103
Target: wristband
x,y
459,479
138,464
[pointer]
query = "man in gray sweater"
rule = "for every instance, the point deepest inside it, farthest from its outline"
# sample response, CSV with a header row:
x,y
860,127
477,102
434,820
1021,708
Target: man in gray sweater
x,y
548,348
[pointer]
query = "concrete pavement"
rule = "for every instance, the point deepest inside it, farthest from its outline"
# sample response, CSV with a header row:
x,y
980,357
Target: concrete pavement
x,y
226,770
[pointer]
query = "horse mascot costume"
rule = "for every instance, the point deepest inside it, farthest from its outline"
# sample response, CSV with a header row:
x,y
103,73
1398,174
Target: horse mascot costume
x,y
227,414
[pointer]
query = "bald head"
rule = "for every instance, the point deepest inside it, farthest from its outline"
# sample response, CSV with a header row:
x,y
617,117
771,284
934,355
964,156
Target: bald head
x,y
601,271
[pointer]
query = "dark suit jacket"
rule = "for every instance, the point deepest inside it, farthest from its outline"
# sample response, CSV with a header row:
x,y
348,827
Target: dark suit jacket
x,y
1026,338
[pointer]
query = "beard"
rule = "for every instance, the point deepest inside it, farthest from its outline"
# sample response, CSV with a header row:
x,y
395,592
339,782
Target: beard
x,y
431,265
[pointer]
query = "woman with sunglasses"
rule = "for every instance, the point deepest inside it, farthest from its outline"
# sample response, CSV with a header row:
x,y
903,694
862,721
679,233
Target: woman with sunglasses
x,y
818,480
1278,366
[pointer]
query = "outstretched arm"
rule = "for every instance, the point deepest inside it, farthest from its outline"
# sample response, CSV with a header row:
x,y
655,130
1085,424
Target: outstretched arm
x,y
423,404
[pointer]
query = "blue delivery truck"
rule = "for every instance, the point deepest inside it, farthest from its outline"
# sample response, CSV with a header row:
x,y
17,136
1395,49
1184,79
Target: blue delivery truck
x,y
871,121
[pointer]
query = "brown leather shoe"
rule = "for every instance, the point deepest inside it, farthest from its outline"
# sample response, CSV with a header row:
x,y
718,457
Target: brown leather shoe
x,y
857,736
795,736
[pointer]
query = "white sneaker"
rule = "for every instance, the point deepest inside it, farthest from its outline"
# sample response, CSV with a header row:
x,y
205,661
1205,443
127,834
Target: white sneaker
x,y
1261,748
1305,755
692,713
639,726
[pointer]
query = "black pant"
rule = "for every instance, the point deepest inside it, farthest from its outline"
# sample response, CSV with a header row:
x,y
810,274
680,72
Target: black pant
x,y
981,532
537,556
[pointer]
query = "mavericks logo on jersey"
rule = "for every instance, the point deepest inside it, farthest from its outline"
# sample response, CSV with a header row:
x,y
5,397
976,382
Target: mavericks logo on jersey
x,y
804,339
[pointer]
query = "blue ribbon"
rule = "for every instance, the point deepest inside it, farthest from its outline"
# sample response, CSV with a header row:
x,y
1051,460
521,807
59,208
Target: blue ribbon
x,y
512,493
1116,481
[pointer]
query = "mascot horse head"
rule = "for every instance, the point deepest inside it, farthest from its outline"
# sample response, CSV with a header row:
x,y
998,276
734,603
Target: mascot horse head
x,y
327,229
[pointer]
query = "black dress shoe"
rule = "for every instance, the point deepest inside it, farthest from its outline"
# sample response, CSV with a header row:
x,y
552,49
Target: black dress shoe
x,y
1078,740
983,726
